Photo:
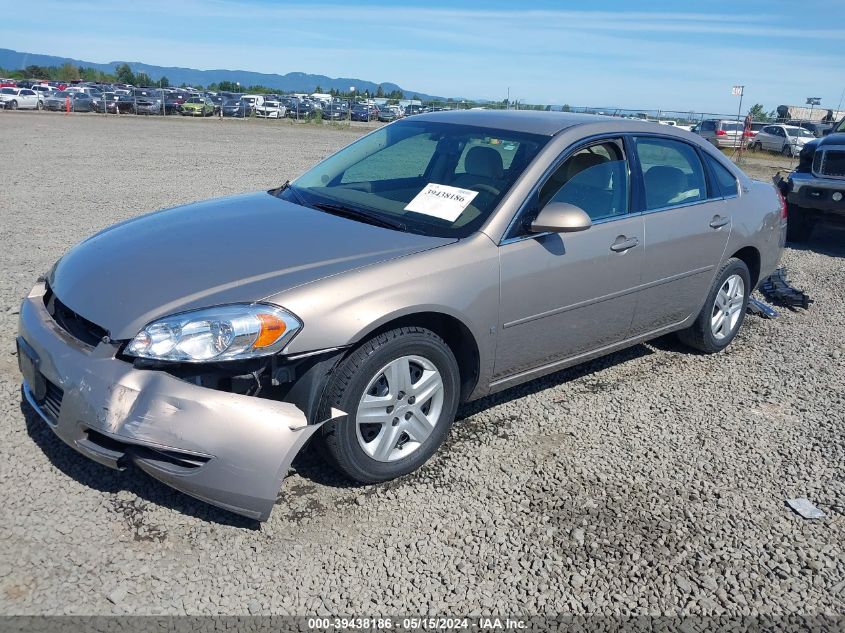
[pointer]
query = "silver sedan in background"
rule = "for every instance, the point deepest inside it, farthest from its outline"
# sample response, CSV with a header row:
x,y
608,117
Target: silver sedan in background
x,y
434,261
788,140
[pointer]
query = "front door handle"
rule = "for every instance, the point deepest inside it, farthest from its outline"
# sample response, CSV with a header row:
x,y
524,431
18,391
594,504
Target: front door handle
x,y
718,222
623,244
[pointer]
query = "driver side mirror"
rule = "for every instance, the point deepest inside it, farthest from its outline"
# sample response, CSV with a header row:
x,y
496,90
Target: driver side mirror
x,y
561,217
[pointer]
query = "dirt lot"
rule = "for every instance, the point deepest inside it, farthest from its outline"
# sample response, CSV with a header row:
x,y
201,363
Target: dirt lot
x,y
651,481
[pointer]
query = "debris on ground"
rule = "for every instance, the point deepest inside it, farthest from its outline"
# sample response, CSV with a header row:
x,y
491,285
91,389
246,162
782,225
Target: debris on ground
x,y
760,309
777,290
805,508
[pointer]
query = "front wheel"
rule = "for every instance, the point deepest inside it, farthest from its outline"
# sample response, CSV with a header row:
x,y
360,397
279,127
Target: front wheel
x,y
13,105
400,390
724,310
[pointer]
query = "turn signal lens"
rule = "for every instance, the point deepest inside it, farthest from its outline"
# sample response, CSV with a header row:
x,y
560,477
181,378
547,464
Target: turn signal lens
x,y
272,327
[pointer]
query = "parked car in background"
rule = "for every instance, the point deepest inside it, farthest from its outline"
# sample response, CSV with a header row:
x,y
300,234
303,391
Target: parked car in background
x,y
785,139
755,128
413,109
43,90
20,98
364,113
818,128
300,109
198,106
57,100
386,115
88,90
148,102
236,108
272,108
722,132
253,100
361,304
79,102
335,112
217,100
816,189
121,104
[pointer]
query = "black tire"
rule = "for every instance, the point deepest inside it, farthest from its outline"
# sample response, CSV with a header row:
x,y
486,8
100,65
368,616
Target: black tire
x,y
339,439
40,105
786,151
700,335
13,105
799,225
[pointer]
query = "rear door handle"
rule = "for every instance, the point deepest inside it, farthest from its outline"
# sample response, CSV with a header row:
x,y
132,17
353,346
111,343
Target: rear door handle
x,y
623,244
718,222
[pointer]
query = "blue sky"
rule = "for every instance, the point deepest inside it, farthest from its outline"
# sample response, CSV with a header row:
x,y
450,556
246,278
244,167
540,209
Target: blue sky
x,y
673,55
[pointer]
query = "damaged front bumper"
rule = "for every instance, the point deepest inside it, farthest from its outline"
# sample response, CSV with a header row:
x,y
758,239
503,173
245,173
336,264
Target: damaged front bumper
x,y
230,450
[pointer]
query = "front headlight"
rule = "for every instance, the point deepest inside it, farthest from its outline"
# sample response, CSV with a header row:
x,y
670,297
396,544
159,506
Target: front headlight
x,y
231,332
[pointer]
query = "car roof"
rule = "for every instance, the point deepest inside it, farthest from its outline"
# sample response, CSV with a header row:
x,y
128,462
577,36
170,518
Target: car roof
x,y
547,123
529,121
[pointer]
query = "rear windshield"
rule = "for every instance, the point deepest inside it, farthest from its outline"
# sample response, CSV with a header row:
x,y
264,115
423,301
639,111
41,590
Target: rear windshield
x,y
729,126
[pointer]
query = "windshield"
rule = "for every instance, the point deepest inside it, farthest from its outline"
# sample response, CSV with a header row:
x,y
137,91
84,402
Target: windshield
x,y
840,127
455,175
8,91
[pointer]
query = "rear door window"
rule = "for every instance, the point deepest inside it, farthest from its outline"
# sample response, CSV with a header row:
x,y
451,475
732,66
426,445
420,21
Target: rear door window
x,y
672,172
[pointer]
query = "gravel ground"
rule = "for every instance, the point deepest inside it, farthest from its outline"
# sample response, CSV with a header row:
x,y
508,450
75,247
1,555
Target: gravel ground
x,y
651,481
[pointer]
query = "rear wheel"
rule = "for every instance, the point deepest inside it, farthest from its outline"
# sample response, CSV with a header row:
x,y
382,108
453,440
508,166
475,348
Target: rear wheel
x,y
724,310
400,390
786,151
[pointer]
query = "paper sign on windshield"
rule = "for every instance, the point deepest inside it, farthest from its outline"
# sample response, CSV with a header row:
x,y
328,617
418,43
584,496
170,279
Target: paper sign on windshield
x,y
441,201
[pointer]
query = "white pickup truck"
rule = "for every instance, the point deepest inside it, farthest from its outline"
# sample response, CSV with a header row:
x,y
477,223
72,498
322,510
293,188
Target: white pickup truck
x,y
23,98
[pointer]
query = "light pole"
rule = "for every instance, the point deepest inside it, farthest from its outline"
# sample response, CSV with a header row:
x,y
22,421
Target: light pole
x,y
813,102
351,99
739,91
509,98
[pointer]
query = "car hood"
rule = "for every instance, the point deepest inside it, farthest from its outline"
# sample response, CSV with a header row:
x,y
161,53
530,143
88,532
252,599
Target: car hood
x,y
229,250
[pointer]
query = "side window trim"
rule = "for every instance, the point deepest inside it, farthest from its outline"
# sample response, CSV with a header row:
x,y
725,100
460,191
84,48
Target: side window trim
x,y
704,168
533,195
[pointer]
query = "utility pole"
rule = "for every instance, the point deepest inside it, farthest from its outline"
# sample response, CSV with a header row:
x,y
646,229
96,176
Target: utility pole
x,y
509,97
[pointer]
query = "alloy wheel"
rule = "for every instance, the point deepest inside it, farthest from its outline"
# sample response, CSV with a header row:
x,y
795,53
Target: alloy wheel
x,y
727,307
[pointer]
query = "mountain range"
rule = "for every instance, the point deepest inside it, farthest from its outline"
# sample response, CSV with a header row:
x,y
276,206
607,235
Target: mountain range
x,y
289,82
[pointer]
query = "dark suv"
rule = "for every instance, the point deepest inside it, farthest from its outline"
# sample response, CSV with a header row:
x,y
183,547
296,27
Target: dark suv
x,y
816,189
